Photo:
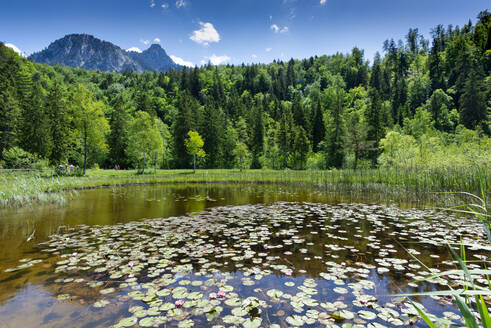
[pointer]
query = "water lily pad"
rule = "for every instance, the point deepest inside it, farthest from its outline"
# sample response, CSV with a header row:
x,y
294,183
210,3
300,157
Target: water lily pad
x,y
295,320
107,291
186,323
367,315
128,322
101,303
275,293
252,323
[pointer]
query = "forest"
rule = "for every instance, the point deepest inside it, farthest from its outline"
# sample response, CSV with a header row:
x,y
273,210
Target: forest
x,y
419,103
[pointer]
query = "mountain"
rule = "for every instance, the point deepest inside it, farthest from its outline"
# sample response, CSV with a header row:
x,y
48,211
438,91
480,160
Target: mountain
x,y
154,57
88,52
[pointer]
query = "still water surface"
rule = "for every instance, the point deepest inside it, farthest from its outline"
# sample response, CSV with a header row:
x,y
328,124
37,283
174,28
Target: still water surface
x,y
303,256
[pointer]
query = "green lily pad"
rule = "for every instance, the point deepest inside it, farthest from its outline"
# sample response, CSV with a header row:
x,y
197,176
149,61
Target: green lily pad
x,y
252,323
128,322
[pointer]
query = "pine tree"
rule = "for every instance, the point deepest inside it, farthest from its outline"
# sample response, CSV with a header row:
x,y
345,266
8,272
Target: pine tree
x,y
36,137
318,127
9,116
59,123
299,112
374,121
335,129
118,137
301,146
257,139
473,107
434,60
213,132
285,135
185,122
439,106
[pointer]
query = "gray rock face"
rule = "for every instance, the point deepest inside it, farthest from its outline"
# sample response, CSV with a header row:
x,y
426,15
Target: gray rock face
x,y
87,52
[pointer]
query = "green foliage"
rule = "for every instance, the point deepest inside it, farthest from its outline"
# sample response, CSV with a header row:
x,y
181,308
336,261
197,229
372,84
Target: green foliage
x,y
398,150
335,128
90,124
439,105
119,121
242,155
286,113
301,147
18,158
465,149
144,139
194,146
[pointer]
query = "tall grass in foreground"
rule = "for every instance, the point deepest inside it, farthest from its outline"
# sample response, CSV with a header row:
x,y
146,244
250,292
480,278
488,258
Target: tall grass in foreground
x,y
470,297
386,183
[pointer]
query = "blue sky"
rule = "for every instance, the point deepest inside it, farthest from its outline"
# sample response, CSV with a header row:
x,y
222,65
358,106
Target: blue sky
x,y
230,31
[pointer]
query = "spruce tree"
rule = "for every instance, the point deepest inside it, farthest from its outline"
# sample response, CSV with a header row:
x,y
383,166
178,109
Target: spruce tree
x,y
318,127
374,121
473,107
118,137
335,129
36,136
59,123
9,116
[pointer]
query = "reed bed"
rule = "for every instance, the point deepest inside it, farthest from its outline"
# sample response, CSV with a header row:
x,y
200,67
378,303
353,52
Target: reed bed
x,y
22,188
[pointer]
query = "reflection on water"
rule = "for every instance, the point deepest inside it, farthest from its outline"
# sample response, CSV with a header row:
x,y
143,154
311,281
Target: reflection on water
x,y
308,249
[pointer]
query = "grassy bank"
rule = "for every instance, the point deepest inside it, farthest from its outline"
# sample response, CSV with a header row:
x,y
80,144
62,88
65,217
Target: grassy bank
x,y
17,189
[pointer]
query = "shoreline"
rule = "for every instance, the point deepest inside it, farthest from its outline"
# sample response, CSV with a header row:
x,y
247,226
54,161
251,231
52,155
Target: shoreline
x,y
402,184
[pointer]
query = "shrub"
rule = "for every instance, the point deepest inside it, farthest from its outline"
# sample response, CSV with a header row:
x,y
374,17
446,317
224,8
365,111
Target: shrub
x,y
18,158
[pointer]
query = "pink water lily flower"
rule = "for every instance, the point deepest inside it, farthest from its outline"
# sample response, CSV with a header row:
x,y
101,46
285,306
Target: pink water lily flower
x,y
221,293
131,264
131,275
265,246
213,296
179,303
288,273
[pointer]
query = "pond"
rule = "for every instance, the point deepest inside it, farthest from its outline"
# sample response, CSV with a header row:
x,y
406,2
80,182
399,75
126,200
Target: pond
x,y
228,255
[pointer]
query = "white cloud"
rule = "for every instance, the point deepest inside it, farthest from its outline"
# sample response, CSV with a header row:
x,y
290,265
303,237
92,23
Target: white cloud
x,y
276,29
323,2
156,40
145,42
217,60
181,3
165,6
205,34
134,49
152,3
181,61
269,49
14,48
253,56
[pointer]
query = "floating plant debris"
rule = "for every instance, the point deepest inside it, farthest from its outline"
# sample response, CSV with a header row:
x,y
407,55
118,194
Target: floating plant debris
x,y
286,264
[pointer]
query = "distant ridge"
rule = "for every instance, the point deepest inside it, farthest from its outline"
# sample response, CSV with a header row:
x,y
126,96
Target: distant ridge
x,y
88,52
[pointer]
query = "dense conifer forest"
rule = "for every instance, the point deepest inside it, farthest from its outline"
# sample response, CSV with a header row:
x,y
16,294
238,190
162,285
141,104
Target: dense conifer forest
x,y
418,103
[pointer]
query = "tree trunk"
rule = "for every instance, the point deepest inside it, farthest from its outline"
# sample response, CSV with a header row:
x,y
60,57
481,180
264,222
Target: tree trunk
x,y
85,146
356,160
155,163
144,159
194,163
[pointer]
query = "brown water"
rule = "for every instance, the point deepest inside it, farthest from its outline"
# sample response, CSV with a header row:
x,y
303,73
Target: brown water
x,y
282,256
